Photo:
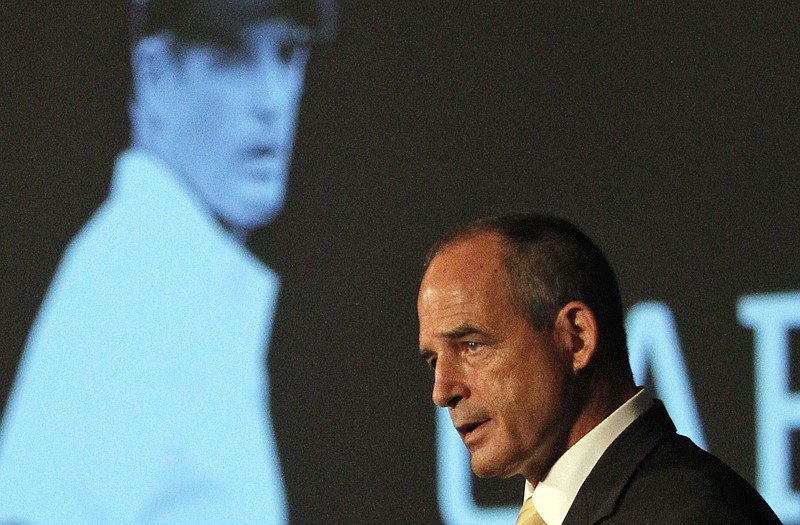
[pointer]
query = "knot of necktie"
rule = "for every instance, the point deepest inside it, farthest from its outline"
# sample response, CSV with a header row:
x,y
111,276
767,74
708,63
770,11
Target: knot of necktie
x,y
528,514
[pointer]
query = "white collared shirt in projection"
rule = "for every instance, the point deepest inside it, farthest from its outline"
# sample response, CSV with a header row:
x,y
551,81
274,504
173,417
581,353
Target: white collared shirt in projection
x,y
142,394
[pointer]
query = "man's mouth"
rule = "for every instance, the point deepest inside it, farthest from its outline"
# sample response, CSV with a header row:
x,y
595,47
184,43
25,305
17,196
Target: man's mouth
x,y
468,428
261,152
262,161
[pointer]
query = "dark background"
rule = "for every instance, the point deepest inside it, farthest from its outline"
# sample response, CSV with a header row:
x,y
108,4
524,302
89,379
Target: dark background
x,y
670,134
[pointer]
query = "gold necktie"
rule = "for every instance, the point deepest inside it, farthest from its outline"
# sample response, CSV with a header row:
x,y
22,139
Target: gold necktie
x,y
528,514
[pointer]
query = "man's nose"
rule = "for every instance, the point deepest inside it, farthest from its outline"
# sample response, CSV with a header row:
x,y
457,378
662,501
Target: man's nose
x,y
276,91
449,386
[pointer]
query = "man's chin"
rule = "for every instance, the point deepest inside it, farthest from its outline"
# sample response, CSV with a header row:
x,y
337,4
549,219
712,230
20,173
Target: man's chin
x,y
488,463
487,467
254,214
241,226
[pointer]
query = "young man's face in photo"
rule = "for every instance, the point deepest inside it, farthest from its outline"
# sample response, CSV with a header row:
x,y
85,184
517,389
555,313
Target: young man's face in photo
x,y
232,119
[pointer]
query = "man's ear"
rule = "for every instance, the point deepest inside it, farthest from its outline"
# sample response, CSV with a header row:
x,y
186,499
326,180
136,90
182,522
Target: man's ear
x,y
154,66
576,326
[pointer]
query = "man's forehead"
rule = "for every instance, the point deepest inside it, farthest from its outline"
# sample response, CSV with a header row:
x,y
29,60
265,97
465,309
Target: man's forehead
x,y
476,256
267,32
280,27
464,276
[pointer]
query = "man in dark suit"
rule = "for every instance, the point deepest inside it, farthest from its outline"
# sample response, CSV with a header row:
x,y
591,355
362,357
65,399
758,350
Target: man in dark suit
x,y
521,320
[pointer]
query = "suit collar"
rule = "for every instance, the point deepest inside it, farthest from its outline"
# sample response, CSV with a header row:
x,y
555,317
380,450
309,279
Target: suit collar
x,y
598,496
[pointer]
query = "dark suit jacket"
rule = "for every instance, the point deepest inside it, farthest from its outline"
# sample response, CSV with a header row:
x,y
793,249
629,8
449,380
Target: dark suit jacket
x,y
652,475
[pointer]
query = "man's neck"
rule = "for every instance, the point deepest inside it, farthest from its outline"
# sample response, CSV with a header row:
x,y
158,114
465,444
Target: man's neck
x,y
555,493
605,397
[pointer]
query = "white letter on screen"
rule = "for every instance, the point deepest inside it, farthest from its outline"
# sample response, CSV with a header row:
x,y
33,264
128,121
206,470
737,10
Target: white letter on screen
x,y
653,341
771,317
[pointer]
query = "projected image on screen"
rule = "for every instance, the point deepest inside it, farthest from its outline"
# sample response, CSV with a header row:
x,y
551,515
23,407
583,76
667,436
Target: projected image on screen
x,y
141,396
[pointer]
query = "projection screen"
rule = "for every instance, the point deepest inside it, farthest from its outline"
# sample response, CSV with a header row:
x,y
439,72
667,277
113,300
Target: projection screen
x,y
668,133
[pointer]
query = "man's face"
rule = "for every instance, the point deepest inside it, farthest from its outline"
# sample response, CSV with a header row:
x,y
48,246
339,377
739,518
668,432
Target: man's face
x,y
504,383
229,120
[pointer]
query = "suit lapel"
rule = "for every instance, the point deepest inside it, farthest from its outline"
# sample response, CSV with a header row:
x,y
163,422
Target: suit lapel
x,y
598,496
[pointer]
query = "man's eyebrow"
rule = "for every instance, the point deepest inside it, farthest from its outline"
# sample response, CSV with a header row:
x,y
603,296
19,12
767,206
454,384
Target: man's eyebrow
x,y
462,330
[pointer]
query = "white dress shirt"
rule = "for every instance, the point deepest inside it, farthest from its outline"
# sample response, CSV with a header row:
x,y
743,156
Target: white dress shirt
x,y
553,496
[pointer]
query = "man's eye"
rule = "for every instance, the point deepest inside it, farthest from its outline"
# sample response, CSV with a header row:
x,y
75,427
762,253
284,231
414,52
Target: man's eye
x,y
429,358
230,55
471,346
290,51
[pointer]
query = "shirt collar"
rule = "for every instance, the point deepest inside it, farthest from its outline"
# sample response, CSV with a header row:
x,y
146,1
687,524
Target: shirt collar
x,y
553,496
146,181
